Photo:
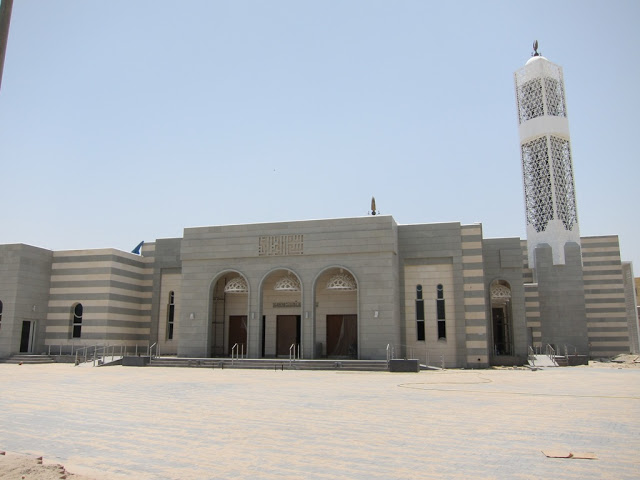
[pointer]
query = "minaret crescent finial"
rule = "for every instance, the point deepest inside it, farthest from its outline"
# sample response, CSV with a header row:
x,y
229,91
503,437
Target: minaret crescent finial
x,y
535,49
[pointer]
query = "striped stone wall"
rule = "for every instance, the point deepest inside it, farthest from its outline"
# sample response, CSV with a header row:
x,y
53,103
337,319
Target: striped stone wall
x,y
532,308
605,296
475,303
531,300
632,312
114,289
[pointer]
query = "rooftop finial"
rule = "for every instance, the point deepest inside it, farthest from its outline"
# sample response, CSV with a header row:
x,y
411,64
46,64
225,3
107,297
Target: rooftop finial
x,y
373,206
535,49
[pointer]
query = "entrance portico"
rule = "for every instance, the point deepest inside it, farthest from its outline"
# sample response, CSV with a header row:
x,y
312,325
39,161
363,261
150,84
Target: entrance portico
x,y
281,307
336,314
229,319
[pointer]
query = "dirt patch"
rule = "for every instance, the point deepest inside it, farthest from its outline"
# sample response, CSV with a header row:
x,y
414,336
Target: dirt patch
x,y
620,361
29,467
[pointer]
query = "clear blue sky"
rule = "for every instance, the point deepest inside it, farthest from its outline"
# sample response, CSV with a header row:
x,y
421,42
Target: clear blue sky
x,y
124,121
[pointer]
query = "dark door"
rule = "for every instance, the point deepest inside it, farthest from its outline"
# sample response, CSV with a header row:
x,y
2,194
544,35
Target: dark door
x,y
238,332
26,335
342,336
287,333
501,332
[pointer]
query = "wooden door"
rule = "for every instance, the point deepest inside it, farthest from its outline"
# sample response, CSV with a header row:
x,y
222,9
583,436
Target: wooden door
x,y
342,336
287,333
238,333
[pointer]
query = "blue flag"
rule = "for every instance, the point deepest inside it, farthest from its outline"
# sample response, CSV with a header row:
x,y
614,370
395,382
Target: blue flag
x,y
138,247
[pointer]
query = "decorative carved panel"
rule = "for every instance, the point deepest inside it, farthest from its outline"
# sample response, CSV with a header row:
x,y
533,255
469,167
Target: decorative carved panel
x,y
277,245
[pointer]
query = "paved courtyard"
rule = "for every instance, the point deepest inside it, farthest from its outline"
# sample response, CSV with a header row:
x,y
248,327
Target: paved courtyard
x,y
164,423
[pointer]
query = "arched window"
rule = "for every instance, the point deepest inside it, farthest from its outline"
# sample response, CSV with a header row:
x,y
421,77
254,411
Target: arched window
x,y
171,311
440,313
0,314
76,321
419,313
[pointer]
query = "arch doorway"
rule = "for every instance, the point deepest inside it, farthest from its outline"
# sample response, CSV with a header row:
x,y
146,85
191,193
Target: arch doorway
x,y
336,294
229,306
501,319
281,308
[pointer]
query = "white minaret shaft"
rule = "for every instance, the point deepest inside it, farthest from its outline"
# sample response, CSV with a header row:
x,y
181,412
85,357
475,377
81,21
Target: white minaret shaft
x,y
545,149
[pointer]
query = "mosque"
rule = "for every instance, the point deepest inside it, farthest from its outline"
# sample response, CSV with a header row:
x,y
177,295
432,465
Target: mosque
x,y
349,287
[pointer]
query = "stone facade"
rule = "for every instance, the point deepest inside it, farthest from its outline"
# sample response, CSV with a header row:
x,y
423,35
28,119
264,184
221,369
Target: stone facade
x,y
439,293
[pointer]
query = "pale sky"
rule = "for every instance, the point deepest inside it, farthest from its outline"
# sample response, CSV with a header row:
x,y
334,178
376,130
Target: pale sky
x,y
124,121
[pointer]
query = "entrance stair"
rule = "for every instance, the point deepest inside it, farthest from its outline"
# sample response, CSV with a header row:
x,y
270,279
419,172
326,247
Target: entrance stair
x,y
271,364
542,361
552,359
27,359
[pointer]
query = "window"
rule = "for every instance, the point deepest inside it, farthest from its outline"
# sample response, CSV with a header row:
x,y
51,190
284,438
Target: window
x,y
440,313
171,311
0,314
419,313
76,325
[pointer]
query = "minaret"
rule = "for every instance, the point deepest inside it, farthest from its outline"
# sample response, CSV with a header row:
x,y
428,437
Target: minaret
x,y
553,238
545,149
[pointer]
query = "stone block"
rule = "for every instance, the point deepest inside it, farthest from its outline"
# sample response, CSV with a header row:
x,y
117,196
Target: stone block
x,y
135,361
400,365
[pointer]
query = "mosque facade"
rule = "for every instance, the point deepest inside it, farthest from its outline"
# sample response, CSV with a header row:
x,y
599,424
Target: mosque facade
x,y
349,287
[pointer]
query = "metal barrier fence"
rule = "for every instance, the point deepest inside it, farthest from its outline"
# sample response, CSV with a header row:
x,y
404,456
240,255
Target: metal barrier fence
x,y
98,354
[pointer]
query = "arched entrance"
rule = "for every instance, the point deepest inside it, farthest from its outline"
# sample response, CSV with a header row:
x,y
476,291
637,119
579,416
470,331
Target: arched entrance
x,y
281,309
501,319
229,306
336,314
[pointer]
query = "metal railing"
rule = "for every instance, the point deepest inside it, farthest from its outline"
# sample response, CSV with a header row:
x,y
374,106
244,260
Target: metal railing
x,y
431,356
98,354
237,351
82,354
294,353
402,351
531,357
150,350
550,352
62,349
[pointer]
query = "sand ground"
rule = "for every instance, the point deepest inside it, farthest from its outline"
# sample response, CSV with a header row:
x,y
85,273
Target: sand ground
x,y
168,423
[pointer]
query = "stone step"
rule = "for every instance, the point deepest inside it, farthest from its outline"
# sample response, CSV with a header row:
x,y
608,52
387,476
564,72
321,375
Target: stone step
x,y
271,364
541,361
26,359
